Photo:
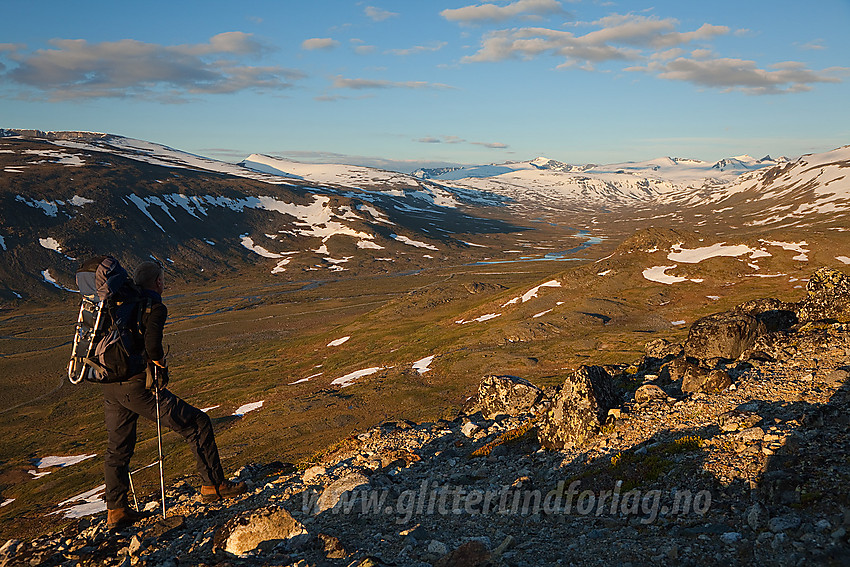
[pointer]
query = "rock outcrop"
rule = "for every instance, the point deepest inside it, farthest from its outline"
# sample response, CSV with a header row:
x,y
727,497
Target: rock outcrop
x,y
579,408
723,335
827,297
262,528
505,395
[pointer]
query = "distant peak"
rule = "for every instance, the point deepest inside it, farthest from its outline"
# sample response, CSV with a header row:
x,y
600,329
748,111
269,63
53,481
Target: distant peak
x,y
540,160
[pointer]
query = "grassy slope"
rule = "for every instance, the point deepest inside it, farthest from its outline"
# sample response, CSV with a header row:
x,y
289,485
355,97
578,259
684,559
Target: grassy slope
x,y
244,341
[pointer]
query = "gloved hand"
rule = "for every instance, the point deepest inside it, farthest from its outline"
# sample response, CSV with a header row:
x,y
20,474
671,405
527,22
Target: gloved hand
x,y
160,369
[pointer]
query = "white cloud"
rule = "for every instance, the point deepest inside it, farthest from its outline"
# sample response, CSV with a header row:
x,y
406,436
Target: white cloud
x,y
419,49
816,44
78,69
493,145
656,44
378,14
456,140
493,13
529,43
741,75
340,82
618,38
319,43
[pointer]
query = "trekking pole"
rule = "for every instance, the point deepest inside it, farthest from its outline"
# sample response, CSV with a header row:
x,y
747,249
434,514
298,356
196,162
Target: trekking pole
x,y
159,438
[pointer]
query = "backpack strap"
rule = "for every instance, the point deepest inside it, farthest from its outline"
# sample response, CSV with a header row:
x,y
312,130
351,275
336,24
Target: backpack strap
x,y
143,313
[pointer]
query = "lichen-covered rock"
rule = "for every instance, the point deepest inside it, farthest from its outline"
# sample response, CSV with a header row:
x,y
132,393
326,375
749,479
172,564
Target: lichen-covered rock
x,y
776,315
827,297
332,494
677,369
663,349
579,408
649,392
246,532
707,382
723,335
505,395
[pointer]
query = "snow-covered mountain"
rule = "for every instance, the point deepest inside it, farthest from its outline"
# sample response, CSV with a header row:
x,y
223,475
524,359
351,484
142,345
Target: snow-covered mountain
x,y
558,184
65,198
67,194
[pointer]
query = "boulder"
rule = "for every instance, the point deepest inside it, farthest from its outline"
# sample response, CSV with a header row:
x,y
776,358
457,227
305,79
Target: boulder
x,y
332,546
470,554
332,494
663,349
708,382
506,395
676,369
827,297
774,314
248,531
649,392
579,408
723,335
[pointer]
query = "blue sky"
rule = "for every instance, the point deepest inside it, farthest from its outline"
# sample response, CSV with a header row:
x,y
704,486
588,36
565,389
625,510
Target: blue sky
x,y
406,83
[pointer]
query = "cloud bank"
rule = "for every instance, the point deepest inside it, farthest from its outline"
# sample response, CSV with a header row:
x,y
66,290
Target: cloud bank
x,y
650,45
77,69
492,13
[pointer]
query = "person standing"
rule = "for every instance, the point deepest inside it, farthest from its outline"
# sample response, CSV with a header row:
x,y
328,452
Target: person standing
x,y
125,401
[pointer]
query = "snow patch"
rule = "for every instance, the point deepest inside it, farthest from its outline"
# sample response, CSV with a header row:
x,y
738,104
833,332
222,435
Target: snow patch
x,y
243,409
339,341
62,461
248,243
52,281
416,243
422,364
78,201
658,274
279,267
307,379
348,379
802,255
50,208
532,293
697,255
92,503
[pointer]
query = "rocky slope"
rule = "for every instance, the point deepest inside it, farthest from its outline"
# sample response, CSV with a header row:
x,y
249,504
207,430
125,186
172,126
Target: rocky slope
x,y
730,448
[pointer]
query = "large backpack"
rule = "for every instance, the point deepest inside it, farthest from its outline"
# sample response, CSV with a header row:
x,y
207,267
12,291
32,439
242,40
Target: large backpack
x,y
109,336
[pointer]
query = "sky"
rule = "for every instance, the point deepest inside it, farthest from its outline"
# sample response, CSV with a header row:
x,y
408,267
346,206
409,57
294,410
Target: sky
x,y
403,84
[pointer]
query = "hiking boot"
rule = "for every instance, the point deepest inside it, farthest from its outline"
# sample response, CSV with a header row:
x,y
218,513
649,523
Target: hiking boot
x,y
226,489
120,518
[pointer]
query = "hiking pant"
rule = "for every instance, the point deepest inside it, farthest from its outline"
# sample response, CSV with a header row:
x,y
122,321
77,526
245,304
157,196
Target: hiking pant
x,y
124,402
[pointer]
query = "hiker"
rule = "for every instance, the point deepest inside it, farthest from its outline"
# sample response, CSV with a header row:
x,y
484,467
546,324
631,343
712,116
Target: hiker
x,y
125,401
